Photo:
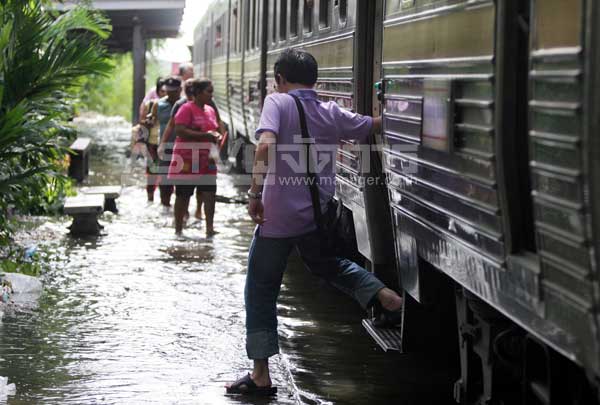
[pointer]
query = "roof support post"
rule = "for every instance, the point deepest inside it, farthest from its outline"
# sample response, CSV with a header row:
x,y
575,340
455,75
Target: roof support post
x,y
139,68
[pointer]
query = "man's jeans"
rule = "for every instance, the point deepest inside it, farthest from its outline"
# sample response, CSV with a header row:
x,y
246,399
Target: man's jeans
x,y
266,264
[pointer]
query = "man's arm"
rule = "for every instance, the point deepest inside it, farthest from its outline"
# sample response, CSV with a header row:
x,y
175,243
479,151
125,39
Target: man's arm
x,y
259,170
166,138
376,128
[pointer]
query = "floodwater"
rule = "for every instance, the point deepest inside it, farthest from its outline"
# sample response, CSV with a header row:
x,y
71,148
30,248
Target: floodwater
x,y
137,316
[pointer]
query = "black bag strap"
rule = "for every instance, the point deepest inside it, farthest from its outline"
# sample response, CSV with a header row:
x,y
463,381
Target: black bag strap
x,y
312,178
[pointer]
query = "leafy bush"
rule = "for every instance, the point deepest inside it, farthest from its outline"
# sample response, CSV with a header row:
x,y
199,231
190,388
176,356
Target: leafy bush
x,y
106,94
112,95
43,56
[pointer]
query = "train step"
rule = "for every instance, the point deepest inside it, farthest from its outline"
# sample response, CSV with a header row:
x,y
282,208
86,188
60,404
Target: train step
x,y
388,338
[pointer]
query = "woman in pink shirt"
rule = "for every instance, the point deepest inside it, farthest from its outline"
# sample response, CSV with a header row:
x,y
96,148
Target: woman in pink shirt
x,y
191,167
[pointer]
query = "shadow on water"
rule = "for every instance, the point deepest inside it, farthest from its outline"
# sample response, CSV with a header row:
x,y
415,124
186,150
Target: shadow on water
x,y
139,316
332,356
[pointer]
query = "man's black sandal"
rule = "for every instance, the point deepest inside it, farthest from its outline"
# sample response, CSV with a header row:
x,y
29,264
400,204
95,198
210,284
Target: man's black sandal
x,y
245,386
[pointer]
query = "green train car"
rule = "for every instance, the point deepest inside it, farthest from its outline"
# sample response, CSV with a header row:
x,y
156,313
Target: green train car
x,y
481,199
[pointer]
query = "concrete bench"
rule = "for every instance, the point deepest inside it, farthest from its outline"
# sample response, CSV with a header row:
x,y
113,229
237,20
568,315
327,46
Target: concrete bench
x,y
110,193
85,210
79,167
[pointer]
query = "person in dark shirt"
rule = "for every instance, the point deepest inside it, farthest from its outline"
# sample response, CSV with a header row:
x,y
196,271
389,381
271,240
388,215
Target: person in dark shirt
x,y
164,107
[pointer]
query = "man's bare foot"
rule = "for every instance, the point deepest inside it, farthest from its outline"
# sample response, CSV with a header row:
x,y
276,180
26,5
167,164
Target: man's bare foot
x,y
389,299
211,232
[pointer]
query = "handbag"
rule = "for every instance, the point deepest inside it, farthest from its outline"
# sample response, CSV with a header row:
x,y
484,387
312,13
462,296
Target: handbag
x,y
330,226
139,134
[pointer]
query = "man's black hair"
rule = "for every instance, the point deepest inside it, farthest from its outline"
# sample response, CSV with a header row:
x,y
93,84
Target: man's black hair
x,y
199,85
159,83
297,66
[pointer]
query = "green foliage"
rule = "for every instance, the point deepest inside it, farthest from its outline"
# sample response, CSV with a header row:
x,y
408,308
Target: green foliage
x,y
30,268
110,95
42,57
16,259
113,95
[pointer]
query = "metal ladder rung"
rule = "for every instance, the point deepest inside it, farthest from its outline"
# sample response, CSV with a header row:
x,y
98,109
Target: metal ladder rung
x,y
389,339
541,392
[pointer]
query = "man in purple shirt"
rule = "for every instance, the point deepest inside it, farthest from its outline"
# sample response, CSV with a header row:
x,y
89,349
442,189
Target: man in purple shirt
x,y
280,204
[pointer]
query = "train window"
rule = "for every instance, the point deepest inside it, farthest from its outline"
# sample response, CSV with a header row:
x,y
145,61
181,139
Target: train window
x,y
308,15
251,25
257,20
206,48
218,36
234,24
283,20
246,27
343,8
274,40
324,13
294,18
524,233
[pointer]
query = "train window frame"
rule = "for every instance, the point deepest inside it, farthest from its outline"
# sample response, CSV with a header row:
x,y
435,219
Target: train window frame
x,y
294,18
283,14
308,26
324,5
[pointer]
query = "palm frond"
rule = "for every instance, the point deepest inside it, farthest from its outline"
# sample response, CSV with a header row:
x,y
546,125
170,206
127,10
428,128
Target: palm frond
x,y
43,55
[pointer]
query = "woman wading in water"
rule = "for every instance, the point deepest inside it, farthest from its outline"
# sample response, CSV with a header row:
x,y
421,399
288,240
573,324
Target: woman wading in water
x,y
192,167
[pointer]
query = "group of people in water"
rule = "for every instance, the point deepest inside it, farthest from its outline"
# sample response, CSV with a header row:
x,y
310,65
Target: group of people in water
x,y
181,132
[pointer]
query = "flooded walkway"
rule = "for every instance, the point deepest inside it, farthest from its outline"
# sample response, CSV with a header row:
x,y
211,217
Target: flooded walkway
x,y
138,316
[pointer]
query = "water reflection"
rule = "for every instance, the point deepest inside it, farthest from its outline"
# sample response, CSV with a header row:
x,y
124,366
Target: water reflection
x,y
139,316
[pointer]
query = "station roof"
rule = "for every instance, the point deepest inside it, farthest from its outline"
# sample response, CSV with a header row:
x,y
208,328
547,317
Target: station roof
x,y
159,18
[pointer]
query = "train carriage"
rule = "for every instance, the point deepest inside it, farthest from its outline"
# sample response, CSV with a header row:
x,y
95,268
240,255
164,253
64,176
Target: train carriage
x,y
485,179
463,201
